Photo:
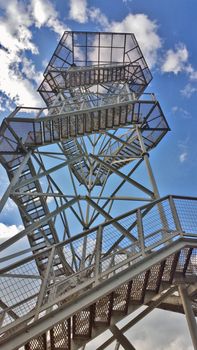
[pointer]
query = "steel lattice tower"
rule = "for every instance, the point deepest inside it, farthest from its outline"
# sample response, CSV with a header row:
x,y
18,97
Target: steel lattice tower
x,y
90,253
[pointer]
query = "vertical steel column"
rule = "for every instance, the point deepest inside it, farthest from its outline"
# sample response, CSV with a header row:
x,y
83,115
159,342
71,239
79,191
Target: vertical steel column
x,y
140,232
98,254
189,314
152,178
148,165
175,215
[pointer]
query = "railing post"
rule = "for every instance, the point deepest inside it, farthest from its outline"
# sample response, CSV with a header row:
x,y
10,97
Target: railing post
x,y
83,258
175,215
2,316
140,231
44,283
98,253
145,155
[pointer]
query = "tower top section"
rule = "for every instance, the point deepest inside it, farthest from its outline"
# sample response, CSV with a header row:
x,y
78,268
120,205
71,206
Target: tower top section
x,y
96,58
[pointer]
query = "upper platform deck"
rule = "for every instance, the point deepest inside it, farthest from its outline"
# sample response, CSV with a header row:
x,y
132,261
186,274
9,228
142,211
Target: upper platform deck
x,y
92,59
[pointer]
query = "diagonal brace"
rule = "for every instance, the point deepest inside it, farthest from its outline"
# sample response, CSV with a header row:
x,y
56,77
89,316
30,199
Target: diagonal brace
x,y
118,226
119,173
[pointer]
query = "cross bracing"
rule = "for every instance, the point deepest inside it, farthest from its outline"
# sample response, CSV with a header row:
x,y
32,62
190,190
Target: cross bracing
x,y
130,275
75,168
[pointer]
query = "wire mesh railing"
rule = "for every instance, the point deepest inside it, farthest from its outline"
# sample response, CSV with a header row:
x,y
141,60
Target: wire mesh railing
x,y
99,253
40,129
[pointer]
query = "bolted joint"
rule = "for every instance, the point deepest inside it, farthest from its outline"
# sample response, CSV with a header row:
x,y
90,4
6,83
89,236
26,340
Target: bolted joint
x,y
145,154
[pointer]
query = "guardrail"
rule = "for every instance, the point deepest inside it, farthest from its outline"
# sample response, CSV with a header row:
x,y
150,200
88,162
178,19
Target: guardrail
x,y
100,253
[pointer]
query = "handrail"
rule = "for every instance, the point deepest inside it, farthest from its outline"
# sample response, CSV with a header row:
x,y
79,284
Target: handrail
x,y
119,258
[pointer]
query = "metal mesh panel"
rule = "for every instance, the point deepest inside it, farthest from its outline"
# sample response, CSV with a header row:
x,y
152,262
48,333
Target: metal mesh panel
x,y
158,224
120,298
82,322
153,277
38,343
192,265
95,80
6,319
187,213
60,336
155,220
25,307
103,309
130,224
16,289
182,259
110,236
169,269
100,48
137,287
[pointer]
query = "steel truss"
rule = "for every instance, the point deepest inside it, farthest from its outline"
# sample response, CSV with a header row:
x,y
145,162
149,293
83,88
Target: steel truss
x,y
85,260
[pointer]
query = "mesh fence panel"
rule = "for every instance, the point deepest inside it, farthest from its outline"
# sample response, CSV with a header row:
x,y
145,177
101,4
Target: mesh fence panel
x,y
187,213
16,289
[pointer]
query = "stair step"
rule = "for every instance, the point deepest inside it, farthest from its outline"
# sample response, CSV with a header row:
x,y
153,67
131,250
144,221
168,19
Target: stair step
x,y
75,332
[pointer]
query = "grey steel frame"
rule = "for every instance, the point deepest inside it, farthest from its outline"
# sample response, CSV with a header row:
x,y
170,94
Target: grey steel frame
x,y
96,132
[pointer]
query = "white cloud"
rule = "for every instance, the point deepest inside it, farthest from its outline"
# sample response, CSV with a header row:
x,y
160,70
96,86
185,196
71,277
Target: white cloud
x,y
188,90
9,206
183,146
14,84
14,27
183,157
191,72
161,330
50,200
5,104
175,60
44,14
29,70
7,232
96,15
19,76
78,10
145,31
175,109
182,112
16,38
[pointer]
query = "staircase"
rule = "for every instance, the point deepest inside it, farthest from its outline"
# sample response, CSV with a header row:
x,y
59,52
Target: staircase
x,y
33,209
90,321
89,76
90,300
60,295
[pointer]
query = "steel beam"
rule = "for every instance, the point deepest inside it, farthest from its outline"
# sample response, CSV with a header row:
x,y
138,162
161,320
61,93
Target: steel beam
x,y
118,226
44,173
191,321
14,180
120,174
36,225
153,304
45,281
120,337
89,297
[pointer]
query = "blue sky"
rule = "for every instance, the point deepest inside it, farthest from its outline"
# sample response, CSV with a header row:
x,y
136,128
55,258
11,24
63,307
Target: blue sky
x,y
166,32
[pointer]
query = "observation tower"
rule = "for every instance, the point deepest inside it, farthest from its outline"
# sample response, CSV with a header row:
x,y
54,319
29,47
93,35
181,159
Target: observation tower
x,y
98,240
